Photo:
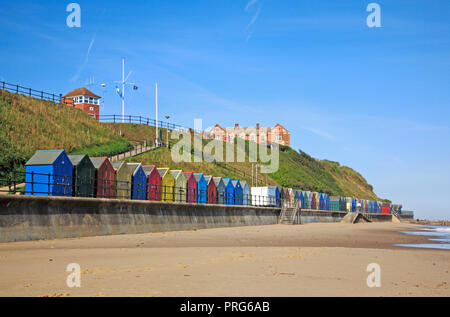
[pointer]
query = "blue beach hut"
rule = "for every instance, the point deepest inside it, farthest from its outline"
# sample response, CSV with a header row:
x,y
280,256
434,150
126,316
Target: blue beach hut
x,y
229,191
202,188
49,173
238,192
138,181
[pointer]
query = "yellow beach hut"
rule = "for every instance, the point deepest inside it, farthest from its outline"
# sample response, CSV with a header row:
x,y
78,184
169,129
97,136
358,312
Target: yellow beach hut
x,y
167,184
123,180
180,185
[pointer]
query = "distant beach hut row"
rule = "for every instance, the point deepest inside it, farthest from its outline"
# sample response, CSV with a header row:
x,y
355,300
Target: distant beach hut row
x,y
54,173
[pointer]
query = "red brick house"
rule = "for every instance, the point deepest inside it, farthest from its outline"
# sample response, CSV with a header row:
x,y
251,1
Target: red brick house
x,y
82,98
265,135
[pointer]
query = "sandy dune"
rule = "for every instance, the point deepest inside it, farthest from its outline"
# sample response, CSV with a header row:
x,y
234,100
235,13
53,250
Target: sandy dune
x,y
278,260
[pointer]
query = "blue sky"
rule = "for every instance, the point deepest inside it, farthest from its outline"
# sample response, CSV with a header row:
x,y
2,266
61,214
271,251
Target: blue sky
x,y
375,99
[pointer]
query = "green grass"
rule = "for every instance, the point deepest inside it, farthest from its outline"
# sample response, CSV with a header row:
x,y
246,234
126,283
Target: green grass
x,y
28,124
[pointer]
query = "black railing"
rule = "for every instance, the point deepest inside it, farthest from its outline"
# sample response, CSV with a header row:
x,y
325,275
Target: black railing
x,y
114,118
41,184
29,92
46,184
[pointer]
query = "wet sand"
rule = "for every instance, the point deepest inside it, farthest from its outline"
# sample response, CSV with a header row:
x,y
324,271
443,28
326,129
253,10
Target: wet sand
x,y
278,260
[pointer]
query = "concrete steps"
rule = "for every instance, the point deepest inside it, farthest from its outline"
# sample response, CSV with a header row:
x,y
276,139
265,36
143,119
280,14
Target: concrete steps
x,y
287,216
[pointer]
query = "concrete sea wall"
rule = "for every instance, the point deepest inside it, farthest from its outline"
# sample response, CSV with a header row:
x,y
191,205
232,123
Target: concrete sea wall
x,y
41,218
309,216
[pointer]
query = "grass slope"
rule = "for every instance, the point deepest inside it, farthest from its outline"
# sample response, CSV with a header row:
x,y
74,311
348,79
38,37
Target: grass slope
x,y
28,124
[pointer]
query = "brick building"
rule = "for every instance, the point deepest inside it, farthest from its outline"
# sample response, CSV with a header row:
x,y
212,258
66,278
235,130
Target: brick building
x,y
84,99
266,135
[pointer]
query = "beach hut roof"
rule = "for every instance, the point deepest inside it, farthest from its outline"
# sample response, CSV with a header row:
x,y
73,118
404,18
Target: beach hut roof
x,y
208,179
235,182
176,173
244,183
117,165
198,176
44,157
76,159
134,167
98,161
148,169
163,171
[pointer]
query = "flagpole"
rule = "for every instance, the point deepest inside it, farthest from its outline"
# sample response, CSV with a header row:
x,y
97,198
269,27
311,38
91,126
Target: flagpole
x,y
123,89
156,123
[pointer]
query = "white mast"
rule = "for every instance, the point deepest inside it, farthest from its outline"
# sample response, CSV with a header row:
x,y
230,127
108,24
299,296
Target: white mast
x,y
123,89
124,82
156,123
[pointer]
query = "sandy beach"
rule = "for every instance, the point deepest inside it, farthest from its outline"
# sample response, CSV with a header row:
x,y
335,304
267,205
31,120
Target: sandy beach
x,y
279,260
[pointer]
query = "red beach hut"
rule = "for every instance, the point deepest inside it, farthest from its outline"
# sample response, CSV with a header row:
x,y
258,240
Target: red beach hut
x,y
105,177
212,190
191,187
287,197
313,201
153,182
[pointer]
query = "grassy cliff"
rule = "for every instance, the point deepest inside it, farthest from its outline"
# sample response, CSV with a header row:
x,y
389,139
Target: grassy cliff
x,y
28,124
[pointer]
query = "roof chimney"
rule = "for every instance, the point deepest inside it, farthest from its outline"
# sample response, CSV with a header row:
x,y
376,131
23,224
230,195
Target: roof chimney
x,y
257,126
236,125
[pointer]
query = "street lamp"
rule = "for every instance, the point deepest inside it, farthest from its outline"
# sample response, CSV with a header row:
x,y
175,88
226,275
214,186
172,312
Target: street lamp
x,y
103,96
167,117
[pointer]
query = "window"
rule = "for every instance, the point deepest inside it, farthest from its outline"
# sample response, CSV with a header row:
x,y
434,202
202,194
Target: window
x,y
279,138
252,138
91,108
263,138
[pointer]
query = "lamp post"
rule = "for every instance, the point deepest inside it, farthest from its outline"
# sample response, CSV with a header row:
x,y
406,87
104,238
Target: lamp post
x,y
167,117
103,96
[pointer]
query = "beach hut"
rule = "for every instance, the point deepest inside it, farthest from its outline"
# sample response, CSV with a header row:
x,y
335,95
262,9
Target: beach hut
x,y
138,181
335,203
265,196
211,196
298,201
153,182
49,173
321,201
83,177
105,177
191,187
246,199
238,192
123,180
301,199
287,197
179,190
221,190
386,209
167,184
282,196
291,197
229,191
202,188
313,201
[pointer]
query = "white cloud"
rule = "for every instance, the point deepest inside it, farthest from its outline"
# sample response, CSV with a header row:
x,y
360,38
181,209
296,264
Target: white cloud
x,y
86,59
248,7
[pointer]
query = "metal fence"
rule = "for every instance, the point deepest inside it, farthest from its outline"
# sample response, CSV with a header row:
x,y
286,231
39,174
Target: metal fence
x,y
113,118
39,184
29,92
